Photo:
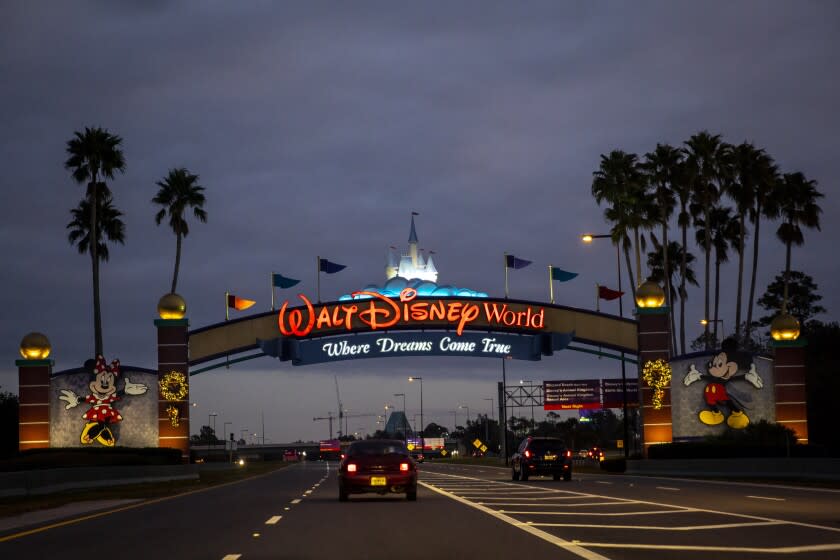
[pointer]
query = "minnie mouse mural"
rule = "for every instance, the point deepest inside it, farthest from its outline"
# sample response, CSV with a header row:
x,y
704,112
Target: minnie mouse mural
x,y
103,395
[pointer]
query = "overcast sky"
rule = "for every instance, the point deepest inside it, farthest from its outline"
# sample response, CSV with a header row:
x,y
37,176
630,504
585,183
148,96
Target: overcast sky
x,y
317,128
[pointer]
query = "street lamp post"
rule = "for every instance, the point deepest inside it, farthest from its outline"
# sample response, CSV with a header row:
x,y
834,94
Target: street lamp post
x,y
468,410
405,418
705,322
422,424
587,238
242,434
487,424
213,416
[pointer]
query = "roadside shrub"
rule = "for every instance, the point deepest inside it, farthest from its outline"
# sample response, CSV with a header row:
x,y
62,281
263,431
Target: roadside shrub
x,y
53,458
614,465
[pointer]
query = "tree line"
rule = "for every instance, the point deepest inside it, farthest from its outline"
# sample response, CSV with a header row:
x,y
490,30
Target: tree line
x,y
723,192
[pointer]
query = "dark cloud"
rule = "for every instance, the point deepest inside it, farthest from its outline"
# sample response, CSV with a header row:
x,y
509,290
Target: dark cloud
x,y
316,129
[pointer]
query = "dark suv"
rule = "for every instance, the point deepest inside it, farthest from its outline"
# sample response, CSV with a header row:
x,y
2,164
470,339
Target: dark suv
x,y
542,456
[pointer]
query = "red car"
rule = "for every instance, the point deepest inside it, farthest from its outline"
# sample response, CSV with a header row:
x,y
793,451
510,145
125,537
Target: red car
x,y
378,466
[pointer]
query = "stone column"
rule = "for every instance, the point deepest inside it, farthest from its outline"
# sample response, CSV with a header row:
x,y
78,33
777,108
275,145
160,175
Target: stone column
x,y
789,374
173,356
654,343
34,398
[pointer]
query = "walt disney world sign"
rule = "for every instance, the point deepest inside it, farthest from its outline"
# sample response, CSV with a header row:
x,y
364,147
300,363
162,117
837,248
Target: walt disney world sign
x,y
368,327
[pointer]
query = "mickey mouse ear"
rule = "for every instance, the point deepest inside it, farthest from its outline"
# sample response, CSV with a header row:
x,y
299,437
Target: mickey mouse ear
x,y
89,365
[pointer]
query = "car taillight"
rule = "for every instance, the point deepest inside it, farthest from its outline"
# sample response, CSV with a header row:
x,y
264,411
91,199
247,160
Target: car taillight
x,y
527,454
568,453
343,456
403,466
351,467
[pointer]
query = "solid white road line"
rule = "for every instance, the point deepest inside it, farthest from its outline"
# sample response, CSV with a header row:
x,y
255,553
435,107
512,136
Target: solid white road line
x,y
566,505
587,514
573,548
667,488
658,528
732,549
273,520
767,498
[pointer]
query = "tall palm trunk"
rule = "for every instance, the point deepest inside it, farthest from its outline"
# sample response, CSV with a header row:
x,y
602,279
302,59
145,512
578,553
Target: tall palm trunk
x,y
748,327
629,271
682,280
708,247
667,274
177,262
94,255
787,276
638,258
717,295
741,235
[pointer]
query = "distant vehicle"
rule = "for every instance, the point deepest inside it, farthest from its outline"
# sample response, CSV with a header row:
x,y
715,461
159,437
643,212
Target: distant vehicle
x,y
419,457
291,455
595,453
379,466
542,456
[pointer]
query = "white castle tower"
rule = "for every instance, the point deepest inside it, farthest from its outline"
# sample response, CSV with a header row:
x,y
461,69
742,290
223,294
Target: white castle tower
x,y
412,265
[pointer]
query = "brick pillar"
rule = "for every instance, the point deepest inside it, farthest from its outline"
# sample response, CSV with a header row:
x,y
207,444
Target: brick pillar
x,y
173,355
654,343
789,373
34,397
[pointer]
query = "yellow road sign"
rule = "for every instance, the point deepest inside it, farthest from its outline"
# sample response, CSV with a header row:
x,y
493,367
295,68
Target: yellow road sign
x,y
410,446
484,449
444,452
477,442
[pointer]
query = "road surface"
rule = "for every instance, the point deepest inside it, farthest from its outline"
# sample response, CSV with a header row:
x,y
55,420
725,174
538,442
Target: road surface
x,y
462,512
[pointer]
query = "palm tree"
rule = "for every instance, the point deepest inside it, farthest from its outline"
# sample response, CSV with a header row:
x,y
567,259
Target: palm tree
x,y
95,155
747,164
725,233
766,206
619,182
179,191
685,274
111,227
707,160
798,207
662,168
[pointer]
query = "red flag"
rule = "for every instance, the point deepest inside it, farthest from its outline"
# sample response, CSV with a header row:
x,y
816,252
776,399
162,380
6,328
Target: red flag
x,y
608,294
239,303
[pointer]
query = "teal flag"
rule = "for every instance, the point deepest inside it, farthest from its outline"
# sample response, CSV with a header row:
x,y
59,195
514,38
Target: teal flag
x,y
562,275
281,281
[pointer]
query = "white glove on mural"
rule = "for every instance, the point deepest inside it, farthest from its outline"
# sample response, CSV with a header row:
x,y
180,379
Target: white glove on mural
x,y
752,377
692,376
134,388
72,399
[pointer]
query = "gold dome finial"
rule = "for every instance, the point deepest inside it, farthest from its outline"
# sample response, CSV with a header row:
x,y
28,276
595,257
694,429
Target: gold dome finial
x,y
172,306
784,327
650,294
35,346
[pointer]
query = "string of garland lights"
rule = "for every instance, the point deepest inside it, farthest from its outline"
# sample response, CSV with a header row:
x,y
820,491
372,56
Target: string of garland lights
x,y
657,375
173,386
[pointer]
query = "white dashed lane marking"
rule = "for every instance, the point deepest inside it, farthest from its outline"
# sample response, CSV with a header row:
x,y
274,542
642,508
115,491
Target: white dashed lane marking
x,y
273,520
766,498
231,557
296,501
667,488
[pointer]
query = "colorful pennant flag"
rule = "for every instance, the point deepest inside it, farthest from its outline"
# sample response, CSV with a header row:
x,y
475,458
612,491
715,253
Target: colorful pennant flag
x,y
562,275
238,303
608,294
515,263
330,267
280,281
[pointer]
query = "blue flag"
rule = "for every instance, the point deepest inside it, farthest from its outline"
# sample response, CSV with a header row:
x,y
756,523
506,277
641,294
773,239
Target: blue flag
x,y
562,275
280,281
330,267
513,262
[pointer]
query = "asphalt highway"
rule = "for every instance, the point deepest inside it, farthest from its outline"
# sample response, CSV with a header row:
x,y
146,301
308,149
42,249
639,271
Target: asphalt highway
x,y
462,512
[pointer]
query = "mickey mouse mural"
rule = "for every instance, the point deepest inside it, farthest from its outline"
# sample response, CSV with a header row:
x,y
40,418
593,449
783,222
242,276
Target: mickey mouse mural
x,y
723,399
103,395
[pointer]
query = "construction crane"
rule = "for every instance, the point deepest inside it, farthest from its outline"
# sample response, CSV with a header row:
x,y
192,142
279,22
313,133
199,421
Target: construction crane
x,y
329,417
340,409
